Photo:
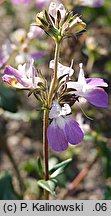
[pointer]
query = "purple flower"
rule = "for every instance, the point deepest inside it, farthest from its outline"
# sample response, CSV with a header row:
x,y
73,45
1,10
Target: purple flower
x,y
92,3
42,3
90,89
37,55
24,77
17,2
62,130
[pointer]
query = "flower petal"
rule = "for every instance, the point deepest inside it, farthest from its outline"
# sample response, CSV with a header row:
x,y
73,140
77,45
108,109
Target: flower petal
x,y
62,70
73,132
81,77
97,97
12,81
10,71
74,85
93,82
56,137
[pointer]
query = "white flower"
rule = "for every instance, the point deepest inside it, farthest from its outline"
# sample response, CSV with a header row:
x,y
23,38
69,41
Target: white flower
x,y
53,8
57,111
62,70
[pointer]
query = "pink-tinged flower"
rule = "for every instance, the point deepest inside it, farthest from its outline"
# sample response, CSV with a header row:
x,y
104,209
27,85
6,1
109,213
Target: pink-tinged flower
x,y
62,70
62,130
42,3
17,2
90,89
35,32
24,77
92,3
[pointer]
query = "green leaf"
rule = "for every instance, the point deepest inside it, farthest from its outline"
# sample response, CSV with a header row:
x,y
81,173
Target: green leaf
x,y
59,168
57,172
48,185
40,167
6,188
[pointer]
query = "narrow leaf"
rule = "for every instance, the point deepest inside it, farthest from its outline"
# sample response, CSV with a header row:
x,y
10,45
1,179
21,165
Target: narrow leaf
x,y
48,185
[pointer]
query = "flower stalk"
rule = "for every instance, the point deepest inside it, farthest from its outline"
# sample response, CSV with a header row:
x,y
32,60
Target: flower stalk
x,y
46,117
54,81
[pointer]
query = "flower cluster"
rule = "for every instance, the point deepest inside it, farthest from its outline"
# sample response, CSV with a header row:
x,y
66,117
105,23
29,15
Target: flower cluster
x,y
62,129
58,23
64,91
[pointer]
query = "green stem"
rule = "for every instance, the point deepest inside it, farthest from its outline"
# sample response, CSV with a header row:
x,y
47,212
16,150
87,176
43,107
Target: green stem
x,y
46,117
45,149
54,81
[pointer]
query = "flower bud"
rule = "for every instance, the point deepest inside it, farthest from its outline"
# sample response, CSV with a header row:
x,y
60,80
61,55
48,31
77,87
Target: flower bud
x,y
58,23
75,25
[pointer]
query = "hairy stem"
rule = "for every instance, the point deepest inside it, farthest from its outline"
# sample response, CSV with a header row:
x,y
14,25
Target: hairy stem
x,y
45,149
54,81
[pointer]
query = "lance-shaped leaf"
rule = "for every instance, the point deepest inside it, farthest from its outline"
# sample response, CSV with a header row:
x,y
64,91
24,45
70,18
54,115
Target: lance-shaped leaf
x,y
59,168
49,185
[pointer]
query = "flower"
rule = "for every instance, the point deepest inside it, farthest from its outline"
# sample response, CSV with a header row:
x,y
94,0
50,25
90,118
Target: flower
x,y
54,8
62,130
90,89
62,70
17,2
35,32
58,23
24,77
42,3
92,3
